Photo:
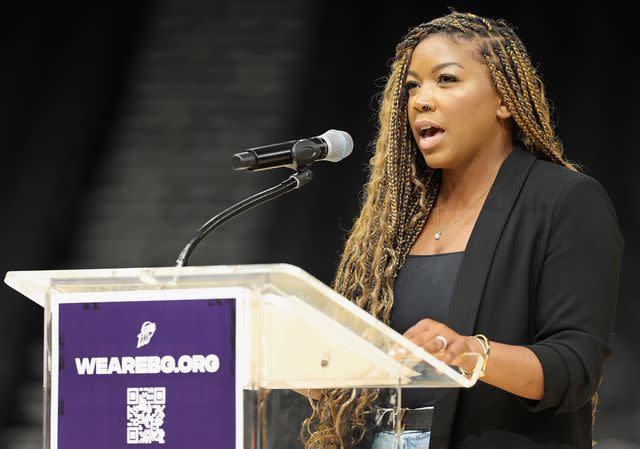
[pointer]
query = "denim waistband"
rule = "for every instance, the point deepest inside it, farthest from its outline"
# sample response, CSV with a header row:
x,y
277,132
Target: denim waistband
x,y
411,419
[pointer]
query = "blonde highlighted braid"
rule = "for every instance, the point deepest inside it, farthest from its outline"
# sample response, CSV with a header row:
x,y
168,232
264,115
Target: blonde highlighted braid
x,y
401,191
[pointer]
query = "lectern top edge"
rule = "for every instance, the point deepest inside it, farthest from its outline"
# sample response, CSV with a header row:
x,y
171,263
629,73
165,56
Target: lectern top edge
x,y
35,284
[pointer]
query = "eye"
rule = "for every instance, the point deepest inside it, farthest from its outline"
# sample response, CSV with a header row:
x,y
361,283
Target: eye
x,y
446,78
410,85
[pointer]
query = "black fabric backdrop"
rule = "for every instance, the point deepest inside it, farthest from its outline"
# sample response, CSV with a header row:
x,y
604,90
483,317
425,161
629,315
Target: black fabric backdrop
x,y
64,74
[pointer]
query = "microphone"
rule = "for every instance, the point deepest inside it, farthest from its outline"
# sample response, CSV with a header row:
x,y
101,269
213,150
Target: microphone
x,y
331,146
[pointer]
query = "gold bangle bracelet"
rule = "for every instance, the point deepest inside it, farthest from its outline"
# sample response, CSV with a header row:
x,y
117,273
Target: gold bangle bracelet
x,y
486,348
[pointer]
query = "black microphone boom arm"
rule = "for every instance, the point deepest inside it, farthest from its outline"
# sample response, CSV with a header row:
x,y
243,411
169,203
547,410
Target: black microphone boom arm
x,y
293,182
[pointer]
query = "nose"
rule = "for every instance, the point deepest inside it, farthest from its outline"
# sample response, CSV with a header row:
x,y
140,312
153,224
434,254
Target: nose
x,y
423,103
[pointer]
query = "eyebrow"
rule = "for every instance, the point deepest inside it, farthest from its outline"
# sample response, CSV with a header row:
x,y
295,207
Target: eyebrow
x,y
436,68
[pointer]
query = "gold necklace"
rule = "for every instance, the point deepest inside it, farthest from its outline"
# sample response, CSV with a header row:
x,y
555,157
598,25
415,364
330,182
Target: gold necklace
x,y
439,233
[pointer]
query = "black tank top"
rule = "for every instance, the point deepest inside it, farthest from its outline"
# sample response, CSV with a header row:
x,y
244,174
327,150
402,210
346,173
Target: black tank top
x,y
422,289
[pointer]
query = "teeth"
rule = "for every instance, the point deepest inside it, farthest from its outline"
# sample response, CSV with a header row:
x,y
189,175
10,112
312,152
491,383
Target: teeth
x,y
424,129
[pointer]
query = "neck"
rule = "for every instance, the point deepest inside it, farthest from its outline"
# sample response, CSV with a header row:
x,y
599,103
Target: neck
x,y
464,184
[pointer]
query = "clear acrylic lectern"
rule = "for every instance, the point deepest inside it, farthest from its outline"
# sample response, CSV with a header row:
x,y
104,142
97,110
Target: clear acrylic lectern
x,y
180,357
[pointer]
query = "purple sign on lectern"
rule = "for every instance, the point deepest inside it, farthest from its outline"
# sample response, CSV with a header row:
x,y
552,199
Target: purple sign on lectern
x,y
150,373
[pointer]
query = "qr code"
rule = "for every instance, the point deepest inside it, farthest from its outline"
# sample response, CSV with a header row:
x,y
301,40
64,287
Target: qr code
x,y
145,415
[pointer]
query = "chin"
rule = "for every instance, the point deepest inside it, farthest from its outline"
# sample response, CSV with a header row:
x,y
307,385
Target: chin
x,y
434,159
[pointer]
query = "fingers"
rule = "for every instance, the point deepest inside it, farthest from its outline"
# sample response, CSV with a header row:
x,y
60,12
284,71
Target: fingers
x,y
397,352
430,343
434,344
424,334
453,351
421,326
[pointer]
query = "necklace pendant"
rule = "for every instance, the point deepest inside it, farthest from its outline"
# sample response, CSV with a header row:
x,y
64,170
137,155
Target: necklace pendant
x,y
437,236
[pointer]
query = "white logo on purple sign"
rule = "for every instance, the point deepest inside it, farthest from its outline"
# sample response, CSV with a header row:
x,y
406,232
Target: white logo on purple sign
x,y
146,332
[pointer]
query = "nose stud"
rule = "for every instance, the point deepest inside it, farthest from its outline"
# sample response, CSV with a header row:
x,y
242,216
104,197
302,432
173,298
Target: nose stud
x,y
426,106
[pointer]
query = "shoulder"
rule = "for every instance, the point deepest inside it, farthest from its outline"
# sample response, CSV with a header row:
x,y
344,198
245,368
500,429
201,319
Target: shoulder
x,y
553,178
557,185
570,197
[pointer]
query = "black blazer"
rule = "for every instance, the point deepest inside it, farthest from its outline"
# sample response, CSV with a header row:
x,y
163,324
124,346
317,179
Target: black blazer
x,y
541,269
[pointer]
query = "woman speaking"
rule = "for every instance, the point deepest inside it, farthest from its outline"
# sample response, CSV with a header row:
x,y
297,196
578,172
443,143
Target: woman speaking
x,y
477,234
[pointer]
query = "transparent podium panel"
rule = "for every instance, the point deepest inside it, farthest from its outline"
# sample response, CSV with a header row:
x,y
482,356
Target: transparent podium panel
x,y
370,417
212,356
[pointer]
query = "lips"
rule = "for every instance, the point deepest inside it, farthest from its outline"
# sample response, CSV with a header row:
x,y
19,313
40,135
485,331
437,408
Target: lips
x,y
430,134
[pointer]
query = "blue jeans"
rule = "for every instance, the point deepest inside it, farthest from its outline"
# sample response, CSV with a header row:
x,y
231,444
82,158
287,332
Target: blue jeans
x,y
409,439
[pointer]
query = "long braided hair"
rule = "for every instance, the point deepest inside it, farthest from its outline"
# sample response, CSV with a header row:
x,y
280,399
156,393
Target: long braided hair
x,y
401,191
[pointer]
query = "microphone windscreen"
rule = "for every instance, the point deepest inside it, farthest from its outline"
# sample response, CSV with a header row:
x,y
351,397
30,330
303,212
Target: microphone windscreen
x,y
340,145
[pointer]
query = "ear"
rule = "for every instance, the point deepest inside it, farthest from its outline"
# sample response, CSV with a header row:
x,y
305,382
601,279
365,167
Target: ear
x,y
502,111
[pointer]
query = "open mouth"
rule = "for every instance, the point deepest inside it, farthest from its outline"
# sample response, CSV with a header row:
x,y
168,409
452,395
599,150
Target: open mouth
x,y
430,131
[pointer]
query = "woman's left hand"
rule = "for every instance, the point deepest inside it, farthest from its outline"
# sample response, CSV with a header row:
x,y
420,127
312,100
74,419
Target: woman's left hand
x,y
424,334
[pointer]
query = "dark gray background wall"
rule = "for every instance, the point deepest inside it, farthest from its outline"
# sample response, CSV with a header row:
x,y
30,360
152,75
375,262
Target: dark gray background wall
x,y
117,127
